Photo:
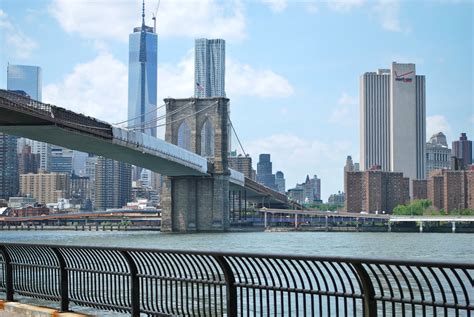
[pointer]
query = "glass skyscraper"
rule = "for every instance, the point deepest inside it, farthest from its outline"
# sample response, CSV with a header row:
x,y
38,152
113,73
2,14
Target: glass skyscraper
x,y
25,78
142,79
29,79
209,68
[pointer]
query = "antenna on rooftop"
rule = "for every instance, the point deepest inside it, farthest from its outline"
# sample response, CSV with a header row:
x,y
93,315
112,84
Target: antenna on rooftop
x,y
143,14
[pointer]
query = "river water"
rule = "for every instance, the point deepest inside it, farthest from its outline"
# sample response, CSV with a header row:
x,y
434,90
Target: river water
x,y
431,246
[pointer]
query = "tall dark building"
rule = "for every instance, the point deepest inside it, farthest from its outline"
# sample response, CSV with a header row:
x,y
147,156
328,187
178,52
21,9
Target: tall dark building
x,y
462,149
264,172
113,183
9,177
280,182
28,162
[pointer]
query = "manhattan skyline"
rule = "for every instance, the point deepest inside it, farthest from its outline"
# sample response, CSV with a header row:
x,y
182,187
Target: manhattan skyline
x,y
295,99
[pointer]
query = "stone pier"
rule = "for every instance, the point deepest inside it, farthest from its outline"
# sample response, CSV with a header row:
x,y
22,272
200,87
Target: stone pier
x,y
198,203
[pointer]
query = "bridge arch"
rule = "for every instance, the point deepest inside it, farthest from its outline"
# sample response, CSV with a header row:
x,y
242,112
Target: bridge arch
x,y
207,138
183,136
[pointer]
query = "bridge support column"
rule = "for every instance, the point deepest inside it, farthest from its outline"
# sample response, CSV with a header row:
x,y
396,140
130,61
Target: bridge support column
x,y
195,204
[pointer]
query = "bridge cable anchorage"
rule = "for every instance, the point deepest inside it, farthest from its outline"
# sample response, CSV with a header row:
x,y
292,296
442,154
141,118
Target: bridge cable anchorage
x,y
238,139
190,115
146,124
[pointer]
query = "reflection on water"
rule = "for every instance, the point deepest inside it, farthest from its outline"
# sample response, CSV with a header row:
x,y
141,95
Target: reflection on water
x,y
435,246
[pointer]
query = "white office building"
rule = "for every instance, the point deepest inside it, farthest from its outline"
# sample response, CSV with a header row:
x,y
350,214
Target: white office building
x,y
438,154
393,120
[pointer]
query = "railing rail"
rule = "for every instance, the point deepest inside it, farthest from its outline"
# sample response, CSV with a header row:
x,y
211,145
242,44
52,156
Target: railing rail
x,y
193,283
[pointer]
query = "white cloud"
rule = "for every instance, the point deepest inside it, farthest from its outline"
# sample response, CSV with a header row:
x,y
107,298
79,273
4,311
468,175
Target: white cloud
x,y
346,100
18,44
276,5
115,19
435,124
312,7
345,113
298,157
97,88
243,79
345,5
388,12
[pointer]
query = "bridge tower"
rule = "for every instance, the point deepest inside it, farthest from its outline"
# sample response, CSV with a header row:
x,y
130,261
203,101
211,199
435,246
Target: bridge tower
x,y
198,203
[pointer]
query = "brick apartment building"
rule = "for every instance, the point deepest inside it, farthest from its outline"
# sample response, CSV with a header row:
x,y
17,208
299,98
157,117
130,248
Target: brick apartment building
x,y
375,190
451,190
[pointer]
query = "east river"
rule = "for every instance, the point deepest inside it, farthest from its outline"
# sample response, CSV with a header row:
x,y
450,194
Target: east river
x,y
431,246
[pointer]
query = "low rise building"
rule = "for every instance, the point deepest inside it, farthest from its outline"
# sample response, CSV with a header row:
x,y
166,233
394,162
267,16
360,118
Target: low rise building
x,y
337,199
242,164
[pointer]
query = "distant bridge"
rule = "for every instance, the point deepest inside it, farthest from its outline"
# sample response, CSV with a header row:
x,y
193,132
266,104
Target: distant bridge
x,y
24,117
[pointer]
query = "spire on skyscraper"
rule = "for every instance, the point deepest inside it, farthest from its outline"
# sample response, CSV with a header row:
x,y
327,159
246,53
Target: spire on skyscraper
x,y
143,15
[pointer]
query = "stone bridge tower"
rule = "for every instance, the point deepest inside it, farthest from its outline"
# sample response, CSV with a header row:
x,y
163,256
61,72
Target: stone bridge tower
x,y
198,203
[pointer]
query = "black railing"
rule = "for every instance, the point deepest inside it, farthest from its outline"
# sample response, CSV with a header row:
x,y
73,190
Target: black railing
x,y
187,283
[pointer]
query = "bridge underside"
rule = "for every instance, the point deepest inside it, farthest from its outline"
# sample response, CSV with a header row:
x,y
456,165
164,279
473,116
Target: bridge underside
x,y
74,140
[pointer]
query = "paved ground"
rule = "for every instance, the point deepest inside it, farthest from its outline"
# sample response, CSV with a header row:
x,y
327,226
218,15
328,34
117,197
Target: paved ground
x,y
5,314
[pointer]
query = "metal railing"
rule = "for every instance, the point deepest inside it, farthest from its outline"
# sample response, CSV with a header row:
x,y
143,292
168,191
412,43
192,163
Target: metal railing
x,y
187,283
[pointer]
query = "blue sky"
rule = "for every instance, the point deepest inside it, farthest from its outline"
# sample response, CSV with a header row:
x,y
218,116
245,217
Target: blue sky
x,y
293,67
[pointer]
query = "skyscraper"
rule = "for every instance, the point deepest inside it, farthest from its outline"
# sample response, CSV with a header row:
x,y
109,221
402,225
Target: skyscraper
x,y
393,120
25,78
264,171
280,182
29,79
61,160
113,183
462,149
209,68
142,78
9,177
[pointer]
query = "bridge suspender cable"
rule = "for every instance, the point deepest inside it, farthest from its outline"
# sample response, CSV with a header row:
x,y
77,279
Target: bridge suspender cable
x,y
146,125
238,139
154,109
190,115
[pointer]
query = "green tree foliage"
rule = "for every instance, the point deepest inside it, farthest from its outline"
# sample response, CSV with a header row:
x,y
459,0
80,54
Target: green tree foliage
x,y
415,208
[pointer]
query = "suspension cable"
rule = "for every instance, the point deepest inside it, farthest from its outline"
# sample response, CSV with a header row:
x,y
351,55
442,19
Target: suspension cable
x,y
238,139
146,125
190,115
154,109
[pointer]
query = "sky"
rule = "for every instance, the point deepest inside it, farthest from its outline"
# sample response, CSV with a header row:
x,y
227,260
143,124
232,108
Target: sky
x,y
292,67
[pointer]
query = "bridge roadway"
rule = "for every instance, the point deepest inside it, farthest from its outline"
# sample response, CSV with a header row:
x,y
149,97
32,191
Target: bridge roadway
x,y
24,117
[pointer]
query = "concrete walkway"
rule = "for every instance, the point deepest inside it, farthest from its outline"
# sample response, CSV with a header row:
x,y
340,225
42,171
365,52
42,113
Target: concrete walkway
x,y
7,314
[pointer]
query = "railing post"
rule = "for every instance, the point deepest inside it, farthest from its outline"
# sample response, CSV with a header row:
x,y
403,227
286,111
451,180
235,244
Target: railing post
x,y
230,285
370,306
8,274
64,280
134,284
